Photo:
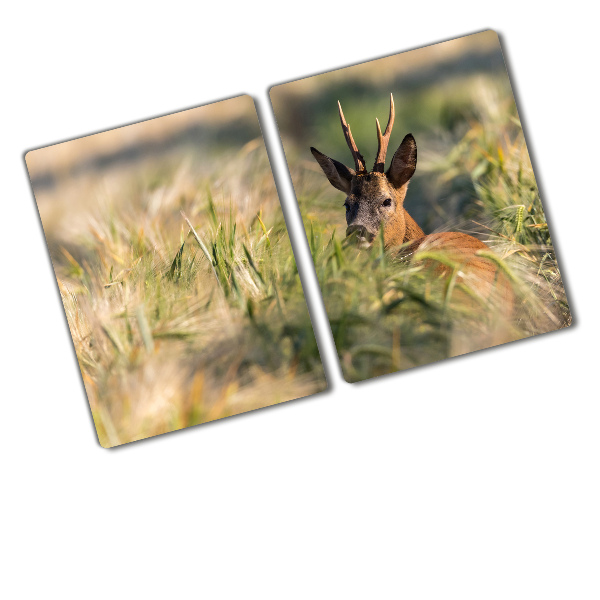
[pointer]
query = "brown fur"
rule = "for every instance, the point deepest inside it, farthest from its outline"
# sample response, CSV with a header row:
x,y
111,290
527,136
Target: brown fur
x,y
413,231
480,272
375,200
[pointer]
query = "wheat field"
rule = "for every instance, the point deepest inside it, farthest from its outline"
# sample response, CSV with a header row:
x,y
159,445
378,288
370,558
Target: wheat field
x,y
176,272
474,175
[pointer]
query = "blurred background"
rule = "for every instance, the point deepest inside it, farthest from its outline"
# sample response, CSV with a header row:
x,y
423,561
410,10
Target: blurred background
x,y
439,91
473,175
176,271
216,126
67,177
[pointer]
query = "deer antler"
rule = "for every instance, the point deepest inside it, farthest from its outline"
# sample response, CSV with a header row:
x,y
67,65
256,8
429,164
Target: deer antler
x,y
383,140
359,161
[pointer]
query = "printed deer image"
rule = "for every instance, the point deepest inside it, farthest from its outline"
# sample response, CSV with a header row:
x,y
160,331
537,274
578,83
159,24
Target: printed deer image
x,y
375,200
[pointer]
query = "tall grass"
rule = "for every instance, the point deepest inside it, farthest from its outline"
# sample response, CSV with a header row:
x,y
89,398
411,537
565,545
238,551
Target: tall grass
x,y
183,297
388,314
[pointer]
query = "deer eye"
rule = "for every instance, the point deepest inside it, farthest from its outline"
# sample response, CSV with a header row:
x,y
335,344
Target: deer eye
x,y
387,202
347,205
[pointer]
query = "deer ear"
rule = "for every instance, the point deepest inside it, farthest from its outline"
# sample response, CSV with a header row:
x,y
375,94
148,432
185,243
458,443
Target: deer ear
x,y
404,162
339,175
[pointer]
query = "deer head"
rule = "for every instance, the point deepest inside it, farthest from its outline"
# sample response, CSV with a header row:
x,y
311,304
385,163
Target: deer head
x,y
375,199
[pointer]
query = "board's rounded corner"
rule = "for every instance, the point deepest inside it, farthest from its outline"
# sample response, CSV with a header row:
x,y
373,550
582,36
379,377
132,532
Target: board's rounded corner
x,y
271,88
26,154
105,444
346,378
246,96
492,32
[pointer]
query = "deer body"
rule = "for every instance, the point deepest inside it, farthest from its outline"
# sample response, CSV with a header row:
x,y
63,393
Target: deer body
x,y
375,201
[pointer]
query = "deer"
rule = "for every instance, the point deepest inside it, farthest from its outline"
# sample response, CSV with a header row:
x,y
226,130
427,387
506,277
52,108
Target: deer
x,y
375,202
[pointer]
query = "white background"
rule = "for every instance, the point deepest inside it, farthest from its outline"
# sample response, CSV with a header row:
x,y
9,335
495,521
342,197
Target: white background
x,y
449,481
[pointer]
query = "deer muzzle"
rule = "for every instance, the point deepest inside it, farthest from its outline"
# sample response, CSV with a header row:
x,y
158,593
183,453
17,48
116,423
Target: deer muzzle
x,y
363,237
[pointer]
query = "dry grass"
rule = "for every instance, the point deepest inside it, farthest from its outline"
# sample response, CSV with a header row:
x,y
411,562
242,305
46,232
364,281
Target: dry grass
x,y
475,176
170,334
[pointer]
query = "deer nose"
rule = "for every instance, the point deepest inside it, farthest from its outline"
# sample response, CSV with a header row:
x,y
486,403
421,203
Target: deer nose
x,y
360,231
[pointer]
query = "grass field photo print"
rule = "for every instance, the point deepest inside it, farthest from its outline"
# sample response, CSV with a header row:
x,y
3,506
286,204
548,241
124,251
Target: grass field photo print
x,y
459,260
176,271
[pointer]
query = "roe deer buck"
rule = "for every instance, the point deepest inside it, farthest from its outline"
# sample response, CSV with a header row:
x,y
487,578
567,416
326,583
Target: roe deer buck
x,y
375,200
